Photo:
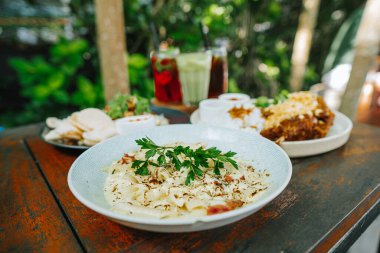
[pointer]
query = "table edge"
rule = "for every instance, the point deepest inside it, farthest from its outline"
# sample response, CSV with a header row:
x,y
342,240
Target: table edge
x,y
344,234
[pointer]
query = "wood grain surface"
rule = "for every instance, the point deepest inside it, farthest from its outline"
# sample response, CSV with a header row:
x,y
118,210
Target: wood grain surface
x,y
30,219
318,208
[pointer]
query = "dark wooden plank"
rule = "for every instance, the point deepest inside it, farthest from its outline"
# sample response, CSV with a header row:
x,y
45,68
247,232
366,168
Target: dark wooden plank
x,y
351,226
323,190
30,218
97,233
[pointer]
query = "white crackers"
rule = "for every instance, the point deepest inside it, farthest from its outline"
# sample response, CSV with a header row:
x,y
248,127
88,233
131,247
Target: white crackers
x,y
88,127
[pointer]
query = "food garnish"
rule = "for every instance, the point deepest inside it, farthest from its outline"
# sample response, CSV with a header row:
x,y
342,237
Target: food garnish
x,y
127,105
170,157
264,102
179,180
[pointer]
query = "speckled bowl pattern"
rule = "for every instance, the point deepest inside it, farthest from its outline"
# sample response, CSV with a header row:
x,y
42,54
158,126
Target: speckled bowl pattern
x,y
86,176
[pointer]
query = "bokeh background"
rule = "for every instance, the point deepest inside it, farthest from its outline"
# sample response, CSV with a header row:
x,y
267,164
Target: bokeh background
x,y
49,59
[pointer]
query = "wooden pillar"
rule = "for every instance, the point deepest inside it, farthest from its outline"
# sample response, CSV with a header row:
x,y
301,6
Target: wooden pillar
x,y
112,47
302,43
367,45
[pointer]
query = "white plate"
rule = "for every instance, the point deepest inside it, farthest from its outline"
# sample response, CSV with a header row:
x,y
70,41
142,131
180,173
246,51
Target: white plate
x,y
337,137
86,177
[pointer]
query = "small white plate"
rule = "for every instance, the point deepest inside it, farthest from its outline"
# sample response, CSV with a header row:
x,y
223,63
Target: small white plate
x,y
337,137
86,177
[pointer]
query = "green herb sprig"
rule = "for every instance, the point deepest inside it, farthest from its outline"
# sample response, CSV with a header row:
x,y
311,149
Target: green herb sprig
x,y
194,160
264,102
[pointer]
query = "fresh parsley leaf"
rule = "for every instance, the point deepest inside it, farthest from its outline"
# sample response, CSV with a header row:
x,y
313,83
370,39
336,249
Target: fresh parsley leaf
x,y
174,159
198,171
190,177
143,171
230,154
281,97
194,160
233,163
150,153
137,163
161,160
154,164
262,102
216,168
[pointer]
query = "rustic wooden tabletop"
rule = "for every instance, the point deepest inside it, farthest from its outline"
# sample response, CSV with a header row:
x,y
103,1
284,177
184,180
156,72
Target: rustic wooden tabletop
x,y
330,201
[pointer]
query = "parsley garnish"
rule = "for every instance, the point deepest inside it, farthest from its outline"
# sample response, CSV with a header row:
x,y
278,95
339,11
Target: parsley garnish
x,y
264,102
194,160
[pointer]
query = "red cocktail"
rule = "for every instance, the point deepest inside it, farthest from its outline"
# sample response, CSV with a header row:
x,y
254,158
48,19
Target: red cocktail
x,y
165,73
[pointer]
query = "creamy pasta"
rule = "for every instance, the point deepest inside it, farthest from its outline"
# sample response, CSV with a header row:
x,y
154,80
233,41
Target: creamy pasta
x,y
163,193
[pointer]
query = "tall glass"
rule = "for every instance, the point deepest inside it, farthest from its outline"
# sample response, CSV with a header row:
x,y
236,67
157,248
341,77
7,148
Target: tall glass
x,y
219,72
194,74
166,83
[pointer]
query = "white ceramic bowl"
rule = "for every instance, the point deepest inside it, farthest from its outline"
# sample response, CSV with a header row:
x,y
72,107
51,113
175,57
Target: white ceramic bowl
x,y
235,98
214,111
86,177
132,123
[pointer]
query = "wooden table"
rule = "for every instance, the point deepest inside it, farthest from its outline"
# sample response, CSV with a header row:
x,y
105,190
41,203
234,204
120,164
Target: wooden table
x,y
330,201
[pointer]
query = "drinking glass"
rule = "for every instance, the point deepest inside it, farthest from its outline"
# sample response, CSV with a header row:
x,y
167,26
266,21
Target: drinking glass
x,y
219,72
166,83
194,74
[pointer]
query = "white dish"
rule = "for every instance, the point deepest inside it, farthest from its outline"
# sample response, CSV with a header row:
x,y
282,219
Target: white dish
x,y
237,99
214,110
338,135
133,123
86,177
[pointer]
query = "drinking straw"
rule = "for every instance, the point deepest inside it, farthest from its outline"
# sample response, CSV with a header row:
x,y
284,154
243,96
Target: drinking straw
x,y
204,35
156,41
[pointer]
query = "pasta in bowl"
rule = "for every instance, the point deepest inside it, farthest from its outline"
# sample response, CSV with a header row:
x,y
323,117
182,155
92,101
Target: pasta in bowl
x,y
175,184
163,199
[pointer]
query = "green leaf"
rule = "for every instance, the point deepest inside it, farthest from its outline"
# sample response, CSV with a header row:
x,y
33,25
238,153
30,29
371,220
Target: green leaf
x,y
150,153
186,164
122,103
137,163
216,168
146,143
154,164
262,102
174,159
190,177
138,61
233,163
161,160
178,150
143,171
198,171
65,48
230,154
61,96
281,97
56,81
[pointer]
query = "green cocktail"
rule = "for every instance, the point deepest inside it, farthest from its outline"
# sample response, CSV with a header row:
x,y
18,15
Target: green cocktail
x,y
194,74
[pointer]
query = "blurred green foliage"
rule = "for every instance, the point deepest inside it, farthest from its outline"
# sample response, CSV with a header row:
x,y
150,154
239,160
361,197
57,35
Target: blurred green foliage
x,y
140,81
259,36
54,86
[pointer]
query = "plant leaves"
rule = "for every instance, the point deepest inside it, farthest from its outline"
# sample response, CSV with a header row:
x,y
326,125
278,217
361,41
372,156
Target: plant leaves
x,y
150,153
161,160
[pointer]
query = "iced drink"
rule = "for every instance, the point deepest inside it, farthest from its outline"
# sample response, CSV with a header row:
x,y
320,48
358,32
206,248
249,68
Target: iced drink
x,y
165,73
194,74
219,72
